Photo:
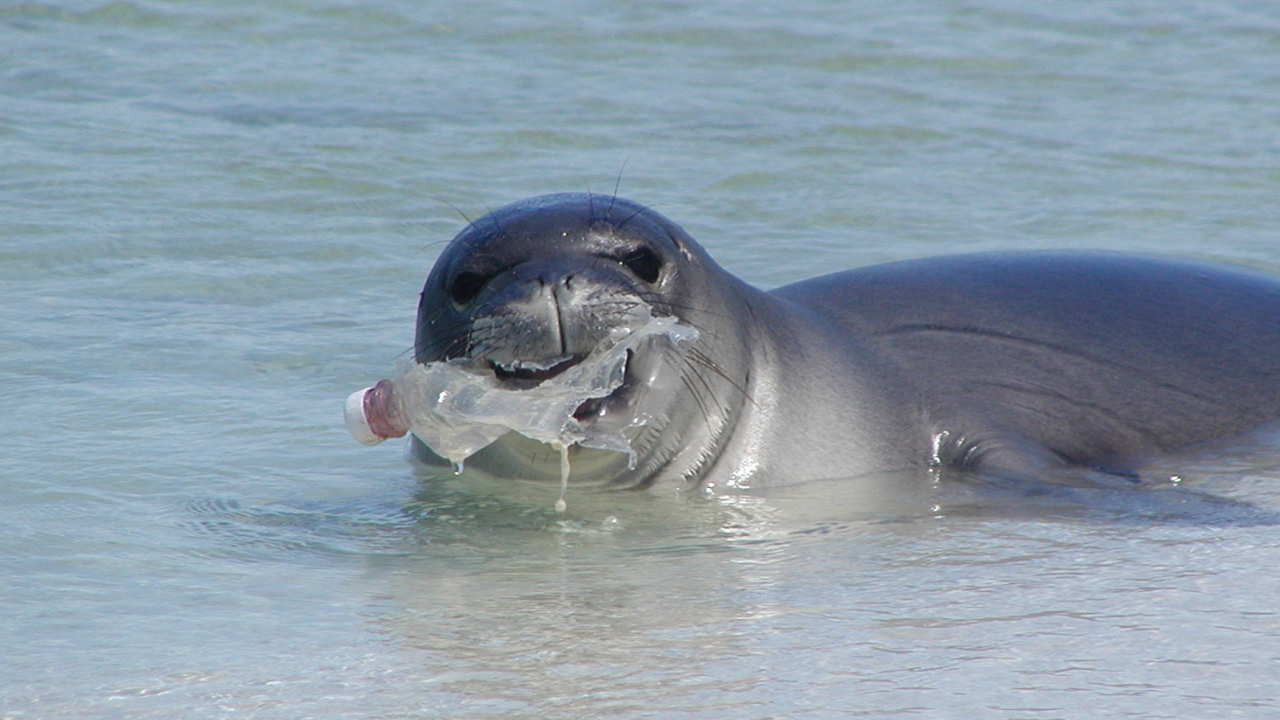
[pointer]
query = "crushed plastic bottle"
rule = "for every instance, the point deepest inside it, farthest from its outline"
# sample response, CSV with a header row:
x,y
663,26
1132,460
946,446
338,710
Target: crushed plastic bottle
x,y
458,407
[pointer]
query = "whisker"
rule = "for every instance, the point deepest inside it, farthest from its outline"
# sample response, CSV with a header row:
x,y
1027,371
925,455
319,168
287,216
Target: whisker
x,y
640,211
673,308
708,363
692,365
617,183
455,208
696,394
458,336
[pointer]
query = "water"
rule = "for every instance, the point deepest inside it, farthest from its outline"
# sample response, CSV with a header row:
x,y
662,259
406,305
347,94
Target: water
x,y
215,221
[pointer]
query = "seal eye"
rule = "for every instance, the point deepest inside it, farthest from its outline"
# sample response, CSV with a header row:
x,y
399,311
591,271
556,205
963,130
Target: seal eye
x,y
644,263
465,286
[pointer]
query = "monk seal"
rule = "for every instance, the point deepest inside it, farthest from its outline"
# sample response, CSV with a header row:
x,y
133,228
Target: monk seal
x,y
1020,364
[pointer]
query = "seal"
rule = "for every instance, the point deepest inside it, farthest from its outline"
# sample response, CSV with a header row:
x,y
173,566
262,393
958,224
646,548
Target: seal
x,y
1015,364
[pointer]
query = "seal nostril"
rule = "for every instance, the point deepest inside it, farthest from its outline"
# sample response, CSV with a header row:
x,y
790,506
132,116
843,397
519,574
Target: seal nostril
x,y
465,286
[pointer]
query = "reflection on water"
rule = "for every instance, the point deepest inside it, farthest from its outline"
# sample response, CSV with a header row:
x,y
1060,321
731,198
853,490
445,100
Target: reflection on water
x,y
452,517
498,605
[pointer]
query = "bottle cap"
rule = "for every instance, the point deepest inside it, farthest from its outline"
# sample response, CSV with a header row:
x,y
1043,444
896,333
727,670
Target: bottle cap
x,y
357,422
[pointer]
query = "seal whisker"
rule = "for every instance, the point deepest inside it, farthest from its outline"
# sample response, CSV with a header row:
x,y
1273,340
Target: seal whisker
x,y
671,308
706,363
617,183
696,393
707,392
455,337
640,210
470,222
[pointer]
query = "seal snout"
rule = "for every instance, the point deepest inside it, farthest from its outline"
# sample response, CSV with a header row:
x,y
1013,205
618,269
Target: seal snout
x,y
540,318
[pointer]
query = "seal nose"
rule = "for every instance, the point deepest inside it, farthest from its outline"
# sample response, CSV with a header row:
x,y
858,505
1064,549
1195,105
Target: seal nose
x,y
565,287
547,310
562,291
526,319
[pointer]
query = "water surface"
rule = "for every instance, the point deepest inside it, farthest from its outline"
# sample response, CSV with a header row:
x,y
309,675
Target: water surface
x,y
216,220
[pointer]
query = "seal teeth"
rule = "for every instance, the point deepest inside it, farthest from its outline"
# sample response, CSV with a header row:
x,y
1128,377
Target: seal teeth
x,y
533,370
531,365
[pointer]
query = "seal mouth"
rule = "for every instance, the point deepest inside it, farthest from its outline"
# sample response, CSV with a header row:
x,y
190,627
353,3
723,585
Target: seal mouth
x,y
531,373
528,374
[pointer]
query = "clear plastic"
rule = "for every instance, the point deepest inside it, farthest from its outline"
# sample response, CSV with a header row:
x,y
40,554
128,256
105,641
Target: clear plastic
x,y
459,407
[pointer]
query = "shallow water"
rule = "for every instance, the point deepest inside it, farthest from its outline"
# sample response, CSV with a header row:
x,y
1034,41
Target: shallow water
x,y
216,219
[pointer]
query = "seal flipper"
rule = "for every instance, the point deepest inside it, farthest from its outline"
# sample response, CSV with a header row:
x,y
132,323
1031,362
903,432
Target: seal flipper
x,y
1009,457
1012,474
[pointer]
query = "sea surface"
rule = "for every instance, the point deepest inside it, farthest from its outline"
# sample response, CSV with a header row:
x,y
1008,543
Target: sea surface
x,y
215,219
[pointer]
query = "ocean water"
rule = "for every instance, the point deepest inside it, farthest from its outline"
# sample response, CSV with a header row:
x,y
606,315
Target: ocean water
x,y
214,222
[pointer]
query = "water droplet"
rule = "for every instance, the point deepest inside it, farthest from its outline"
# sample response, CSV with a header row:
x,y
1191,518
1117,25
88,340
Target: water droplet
x,y
561,505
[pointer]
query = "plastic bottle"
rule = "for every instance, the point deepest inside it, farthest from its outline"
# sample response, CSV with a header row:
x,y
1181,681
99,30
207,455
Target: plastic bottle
x,y
460,406
375,414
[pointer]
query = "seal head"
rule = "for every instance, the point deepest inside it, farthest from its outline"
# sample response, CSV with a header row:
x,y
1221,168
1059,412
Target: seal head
x,y
532,288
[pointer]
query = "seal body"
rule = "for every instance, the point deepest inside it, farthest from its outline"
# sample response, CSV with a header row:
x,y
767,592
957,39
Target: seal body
x,y
1017,364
